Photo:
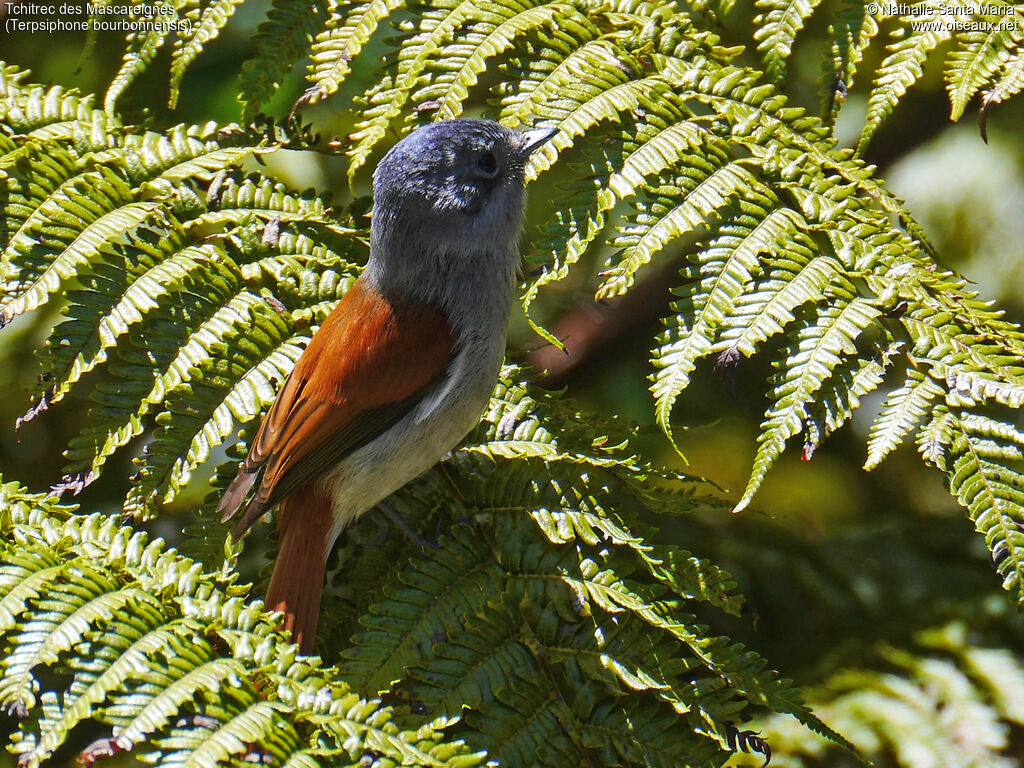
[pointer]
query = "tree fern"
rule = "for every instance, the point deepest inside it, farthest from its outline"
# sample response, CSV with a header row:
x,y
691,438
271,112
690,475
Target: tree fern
x,y
158,630
984,454
853,30
566,592
485,30
348,28
980,56
898,71
140,50
819,350
946,698
280,41
726,265
901,412
545,617
1009,83
442,586
197,315
206,24
777,28
789,151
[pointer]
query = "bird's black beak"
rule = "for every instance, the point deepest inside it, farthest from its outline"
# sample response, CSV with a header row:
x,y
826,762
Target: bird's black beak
x,y
532,139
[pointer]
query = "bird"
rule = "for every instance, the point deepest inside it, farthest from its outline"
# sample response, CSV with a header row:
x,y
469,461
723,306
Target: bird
x,y
403,367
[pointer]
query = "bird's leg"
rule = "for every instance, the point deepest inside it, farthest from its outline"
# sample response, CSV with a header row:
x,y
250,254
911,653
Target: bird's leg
x,y
451,481
403,526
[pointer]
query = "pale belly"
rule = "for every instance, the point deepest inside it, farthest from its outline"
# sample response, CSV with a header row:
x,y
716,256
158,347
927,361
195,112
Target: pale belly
x,y
411,447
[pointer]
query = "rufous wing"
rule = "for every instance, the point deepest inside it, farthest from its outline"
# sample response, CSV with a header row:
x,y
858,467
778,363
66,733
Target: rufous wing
x,y
367,366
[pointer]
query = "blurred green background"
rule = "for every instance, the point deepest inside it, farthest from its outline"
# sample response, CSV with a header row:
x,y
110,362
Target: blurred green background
x,y
831,558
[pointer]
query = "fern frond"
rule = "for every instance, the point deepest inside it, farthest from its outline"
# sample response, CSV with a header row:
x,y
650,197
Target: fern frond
x,y
158,630
676,206
81,343
544,607
898,71
486,29
159,273
797,277
459,66
280,41
979,57
386,99
842,394
148,288
140,50
11,76
902,410
726,267
985,456
431,634
934,700
235,383
348,28
67,228
24,194
822,345
55,113
851,33
1009,84
540,68
204,27
777,26
66,232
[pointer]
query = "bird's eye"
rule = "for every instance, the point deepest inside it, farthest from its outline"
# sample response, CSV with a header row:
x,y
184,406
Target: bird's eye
x,y
487,165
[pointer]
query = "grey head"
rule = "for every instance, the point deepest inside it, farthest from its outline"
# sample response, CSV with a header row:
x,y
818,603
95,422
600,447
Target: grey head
x,y
448,194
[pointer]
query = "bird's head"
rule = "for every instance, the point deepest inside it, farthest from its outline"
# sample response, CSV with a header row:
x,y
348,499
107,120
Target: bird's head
x,y
451,188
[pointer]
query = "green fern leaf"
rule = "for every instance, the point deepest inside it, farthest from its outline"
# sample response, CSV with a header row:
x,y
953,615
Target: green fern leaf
x,y
897,72
841,396
797,278
11,76
985,455
902,702
183,632
979,57
175,350
1009,84
24,194
82,343
143,638
22,578
157,712
72,609
681,205
389,96
349,27
902,410
55,113
548,54
822,345
461,65
236,384
852,32
67,232
280,41
201,31
727,265
776,29
139,53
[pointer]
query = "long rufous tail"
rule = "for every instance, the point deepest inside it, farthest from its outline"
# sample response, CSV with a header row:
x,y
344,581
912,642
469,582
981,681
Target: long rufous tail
x,y
304,524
